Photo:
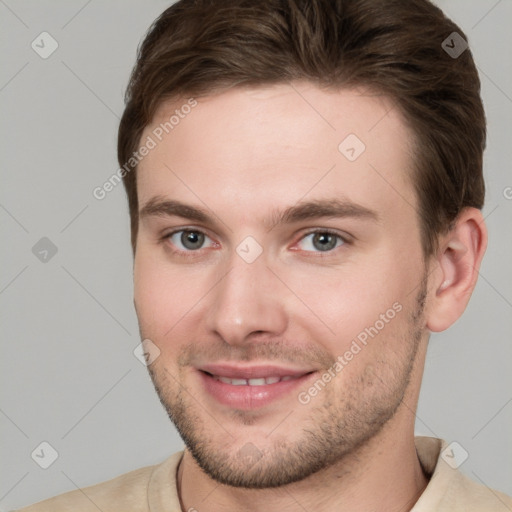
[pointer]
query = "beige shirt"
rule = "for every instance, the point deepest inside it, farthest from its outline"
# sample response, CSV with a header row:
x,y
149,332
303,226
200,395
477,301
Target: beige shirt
x,y
153,489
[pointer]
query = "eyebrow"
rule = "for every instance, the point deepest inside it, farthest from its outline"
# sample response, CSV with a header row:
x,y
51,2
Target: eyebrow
x,y
316,209
330,208
160,207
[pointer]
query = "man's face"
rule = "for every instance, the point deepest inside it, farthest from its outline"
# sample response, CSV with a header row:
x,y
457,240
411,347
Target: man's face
x,y
270,257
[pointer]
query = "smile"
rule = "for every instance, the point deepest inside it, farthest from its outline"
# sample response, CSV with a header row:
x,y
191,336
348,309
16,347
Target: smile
x,y
252,387
262,381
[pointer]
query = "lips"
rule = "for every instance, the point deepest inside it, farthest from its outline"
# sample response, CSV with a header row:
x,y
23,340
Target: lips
x,y
251,387
262,381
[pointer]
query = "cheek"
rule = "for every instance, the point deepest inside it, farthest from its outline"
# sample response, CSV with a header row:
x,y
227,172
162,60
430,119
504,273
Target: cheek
x,y
163,295
340,304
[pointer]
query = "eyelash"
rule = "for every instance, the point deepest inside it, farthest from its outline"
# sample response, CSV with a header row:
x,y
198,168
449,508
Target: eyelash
x,y
324,231
315,254
184,254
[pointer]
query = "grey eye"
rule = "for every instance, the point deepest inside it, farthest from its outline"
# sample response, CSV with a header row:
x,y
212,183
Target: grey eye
x,y
192,239
188,240
321,242
324,241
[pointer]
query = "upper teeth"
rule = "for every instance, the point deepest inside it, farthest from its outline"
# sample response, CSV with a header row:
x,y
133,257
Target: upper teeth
x,y
252,382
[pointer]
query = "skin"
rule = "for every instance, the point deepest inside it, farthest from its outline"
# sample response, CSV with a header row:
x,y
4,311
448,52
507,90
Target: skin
x,y
243,156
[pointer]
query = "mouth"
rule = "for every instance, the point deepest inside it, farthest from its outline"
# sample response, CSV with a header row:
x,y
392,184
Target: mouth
x,y
258,381
249,388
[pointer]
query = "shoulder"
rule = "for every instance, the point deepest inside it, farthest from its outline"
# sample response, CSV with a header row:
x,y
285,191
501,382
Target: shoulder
x,y
127,492
471,495
467,495
449,489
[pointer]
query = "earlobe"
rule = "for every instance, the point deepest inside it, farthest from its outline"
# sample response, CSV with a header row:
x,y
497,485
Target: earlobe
x,y
457,263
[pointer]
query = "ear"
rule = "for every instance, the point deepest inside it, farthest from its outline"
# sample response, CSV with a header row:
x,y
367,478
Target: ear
x,y
454,270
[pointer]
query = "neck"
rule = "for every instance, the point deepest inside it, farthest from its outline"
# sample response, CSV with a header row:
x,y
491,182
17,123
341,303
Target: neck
x,y
384,474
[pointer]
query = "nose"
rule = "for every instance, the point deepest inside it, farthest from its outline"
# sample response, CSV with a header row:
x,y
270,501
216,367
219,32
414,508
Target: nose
x,y
247,303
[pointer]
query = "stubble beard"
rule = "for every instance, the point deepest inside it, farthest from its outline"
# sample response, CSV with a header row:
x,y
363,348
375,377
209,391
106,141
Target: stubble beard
x,y
343,422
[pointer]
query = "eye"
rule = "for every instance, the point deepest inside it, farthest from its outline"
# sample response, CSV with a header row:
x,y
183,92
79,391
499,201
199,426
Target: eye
x,y
189,240
321,241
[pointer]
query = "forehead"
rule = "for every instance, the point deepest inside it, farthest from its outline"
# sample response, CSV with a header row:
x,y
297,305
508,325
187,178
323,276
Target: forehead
x,y
276,144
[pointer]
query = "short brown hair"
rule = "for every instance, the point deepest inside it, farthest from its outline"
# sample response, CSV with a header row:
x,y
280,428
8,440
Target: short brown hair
x,y
202,47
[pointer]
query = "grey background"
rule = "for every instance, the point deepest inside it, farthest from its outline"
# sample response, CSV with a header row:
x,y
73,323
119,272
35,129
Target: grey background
x,y
69,376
